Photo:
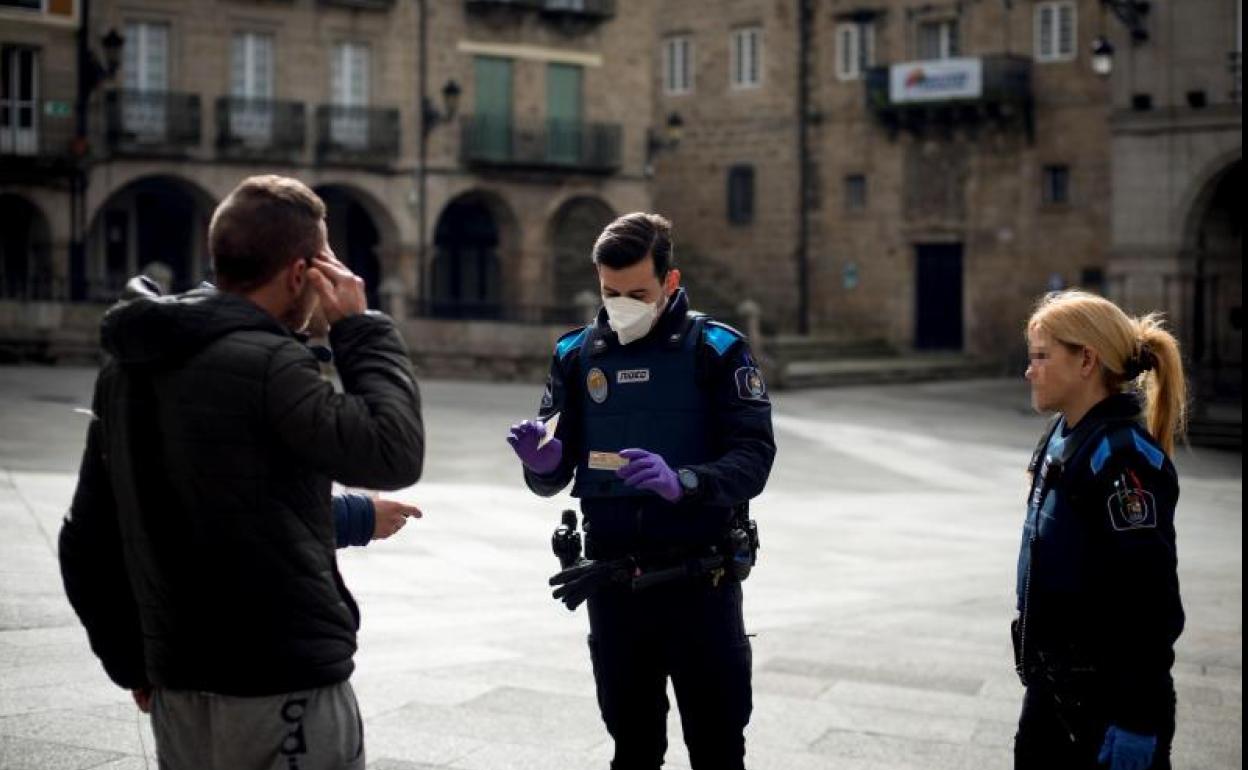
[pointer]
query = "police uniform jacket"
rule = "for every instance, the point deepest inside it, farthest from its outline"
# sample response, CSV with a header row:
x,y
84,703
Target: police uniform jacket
x,y
689,391
1098,591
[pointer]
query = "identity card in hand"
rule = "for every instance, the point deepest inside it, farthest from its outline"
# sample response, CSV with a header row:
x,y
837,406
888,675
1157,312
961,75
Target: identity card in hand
x,y
551,426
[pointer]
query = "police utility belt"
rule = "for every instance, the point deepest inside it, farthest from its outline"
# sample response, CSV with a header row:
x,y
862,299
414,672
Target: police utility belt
x,y
732,558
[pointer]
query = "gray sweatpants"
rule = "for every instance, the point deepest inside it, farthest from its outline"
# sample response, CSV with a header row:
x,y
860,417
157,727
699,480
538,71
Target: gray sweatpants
x,y
310,730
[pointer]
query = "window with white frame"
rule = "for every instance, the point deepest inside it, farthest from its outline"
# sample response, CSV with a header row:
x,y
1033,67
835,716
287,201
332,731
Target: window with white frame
x,y
1056,31
937,39
19,100
678,65
145,75
855,49
349,74
251,86
747,57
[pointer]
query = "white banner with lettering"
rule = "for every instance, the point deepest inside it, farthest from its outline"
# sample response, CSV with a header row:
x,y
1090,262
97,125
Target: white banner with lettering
x,y
937,80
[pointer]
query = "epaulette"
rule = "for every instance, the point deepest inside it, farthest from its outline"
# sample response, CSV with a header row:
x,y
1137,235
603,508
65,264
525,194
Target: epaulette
x,y
570,342
1127,438
720,336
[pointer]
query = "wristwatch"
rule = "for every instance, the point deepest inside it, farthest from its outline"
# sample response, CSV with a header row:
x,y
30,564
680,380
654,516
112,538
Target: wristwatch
x,y
689,483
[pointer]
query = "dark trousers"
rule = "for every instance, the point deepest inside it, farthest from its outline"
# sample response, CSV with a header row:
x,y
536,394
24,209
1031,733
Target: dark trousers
x,y
1044,740
694,633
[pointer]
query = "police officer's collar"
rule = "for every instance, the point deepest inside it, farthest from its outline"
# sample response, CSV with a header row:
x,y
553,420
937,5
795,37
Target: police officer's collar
x,y
1118,408
672,325
1115,408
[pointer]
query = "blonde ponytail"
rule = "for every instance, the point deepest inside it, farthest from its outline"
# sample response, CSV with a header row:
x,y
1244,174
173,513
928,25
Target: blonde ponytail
x,y
1164,386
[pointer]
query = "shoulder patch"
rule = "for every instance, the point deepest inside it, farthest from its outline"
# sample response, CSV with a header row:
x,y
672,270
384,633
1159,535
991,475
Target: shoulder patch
x,y
1151,453
569,342
720,337
1131,508
750,384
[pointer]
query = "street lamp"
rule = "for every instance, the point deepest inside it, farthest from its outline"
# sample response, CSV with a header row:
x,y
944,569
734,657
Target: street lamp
x,y
1102,56
429,114
1131,14
673,131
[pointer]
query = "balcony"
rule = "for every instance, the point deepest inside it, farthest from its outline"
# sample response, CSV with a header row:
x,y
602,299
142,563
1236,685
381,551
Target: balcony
x,y
939,94
588,10
357,136
163,123
365,5
34,146
561,145
255,129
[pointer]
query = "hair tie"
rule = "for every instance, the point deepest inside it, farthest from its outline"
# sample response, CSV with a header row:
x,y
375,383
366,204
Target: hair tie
x,y
1144,361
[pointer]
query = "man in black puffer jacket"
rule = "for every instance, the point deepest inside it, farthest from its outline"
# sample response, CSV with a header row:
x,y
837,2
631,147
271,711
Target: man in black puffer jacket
x,y
199,548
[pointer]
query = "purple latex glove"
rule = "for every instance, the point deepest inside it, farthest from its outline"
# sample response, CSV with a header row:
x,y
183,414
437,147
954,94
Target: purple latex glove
x,y
649,471
524,439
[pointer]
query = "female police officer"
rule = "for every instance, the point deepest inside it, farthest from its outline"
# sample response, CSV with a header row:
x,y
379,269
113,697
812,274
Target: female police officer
x,y
1098,594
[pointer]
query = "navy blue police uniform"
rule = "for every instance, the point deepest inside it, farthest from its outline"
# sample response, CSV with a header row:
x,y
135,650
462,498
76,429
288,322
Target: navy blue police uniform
x,y
1098,590
691,392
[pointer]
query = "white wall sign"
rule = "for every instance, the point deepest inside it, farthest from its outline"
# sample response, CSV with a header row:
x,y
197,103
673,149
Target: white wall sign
x,y
936,81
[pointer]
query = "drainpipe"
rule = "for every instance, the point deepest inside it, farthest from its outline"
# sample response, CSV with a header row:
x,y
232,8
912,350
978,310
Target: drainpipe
x,y
77,283
422,187
804,22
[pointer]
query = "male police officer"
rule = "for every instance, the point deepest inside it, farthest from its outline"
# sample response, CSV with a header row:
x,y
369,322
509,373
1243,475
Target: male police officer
x,y
665,424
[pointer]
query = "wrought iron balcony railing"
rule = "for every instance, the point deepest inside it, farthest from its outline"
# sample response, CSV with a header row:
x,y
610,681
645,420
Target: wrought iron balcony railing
x,y
368,5
33,144
553,144
357,136
591,10
912,95
152,122
260,129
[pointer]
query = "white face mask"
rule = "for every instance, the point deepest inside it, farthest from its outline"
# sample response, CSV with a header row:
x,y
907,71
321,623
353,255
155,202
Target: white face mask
x,y
630,319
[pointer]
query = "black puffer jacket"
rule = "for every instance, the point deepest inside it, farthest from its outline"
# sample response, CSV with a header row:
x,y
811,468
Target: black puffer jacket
x,y
199,549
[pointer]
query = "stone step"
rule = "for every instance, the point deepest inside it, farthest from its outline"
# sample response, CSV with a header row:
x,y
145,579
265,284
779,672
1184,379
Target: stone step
x,y
1216,434
792,348
882,370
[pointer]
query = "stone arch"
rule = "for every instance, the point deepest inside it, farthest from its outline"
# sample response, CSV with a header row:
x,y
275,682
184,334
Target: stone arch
x,y
1213,256
157,224
26,271
474,234
362,234
1200,190
571,233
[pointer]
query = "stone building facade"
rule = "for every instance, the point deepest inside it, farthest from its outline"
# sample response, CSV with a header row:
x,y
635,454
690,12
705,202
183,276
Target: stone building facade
x,y
934,218
534,142
1177,216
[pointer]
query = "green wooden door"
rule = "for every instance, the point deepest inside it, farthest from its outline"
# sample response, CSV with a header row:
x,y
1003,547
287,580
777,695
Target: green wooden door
x,y
564,122
492,122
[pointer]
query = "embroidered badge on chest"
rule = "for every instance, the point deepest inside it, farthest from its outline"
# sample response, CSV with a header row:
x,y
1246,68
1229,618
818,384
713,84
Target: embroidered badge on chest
x,y
632,376
597,386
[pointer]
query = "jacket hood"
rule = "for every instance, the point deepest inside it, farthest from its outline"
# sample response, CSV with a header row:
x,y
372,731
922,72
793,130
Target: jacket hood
x,y
147,328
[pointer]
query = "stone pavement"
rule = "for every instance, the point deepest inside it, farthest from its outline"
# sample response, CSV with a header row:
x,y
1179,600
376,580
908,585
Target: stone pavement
x,y
879,608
